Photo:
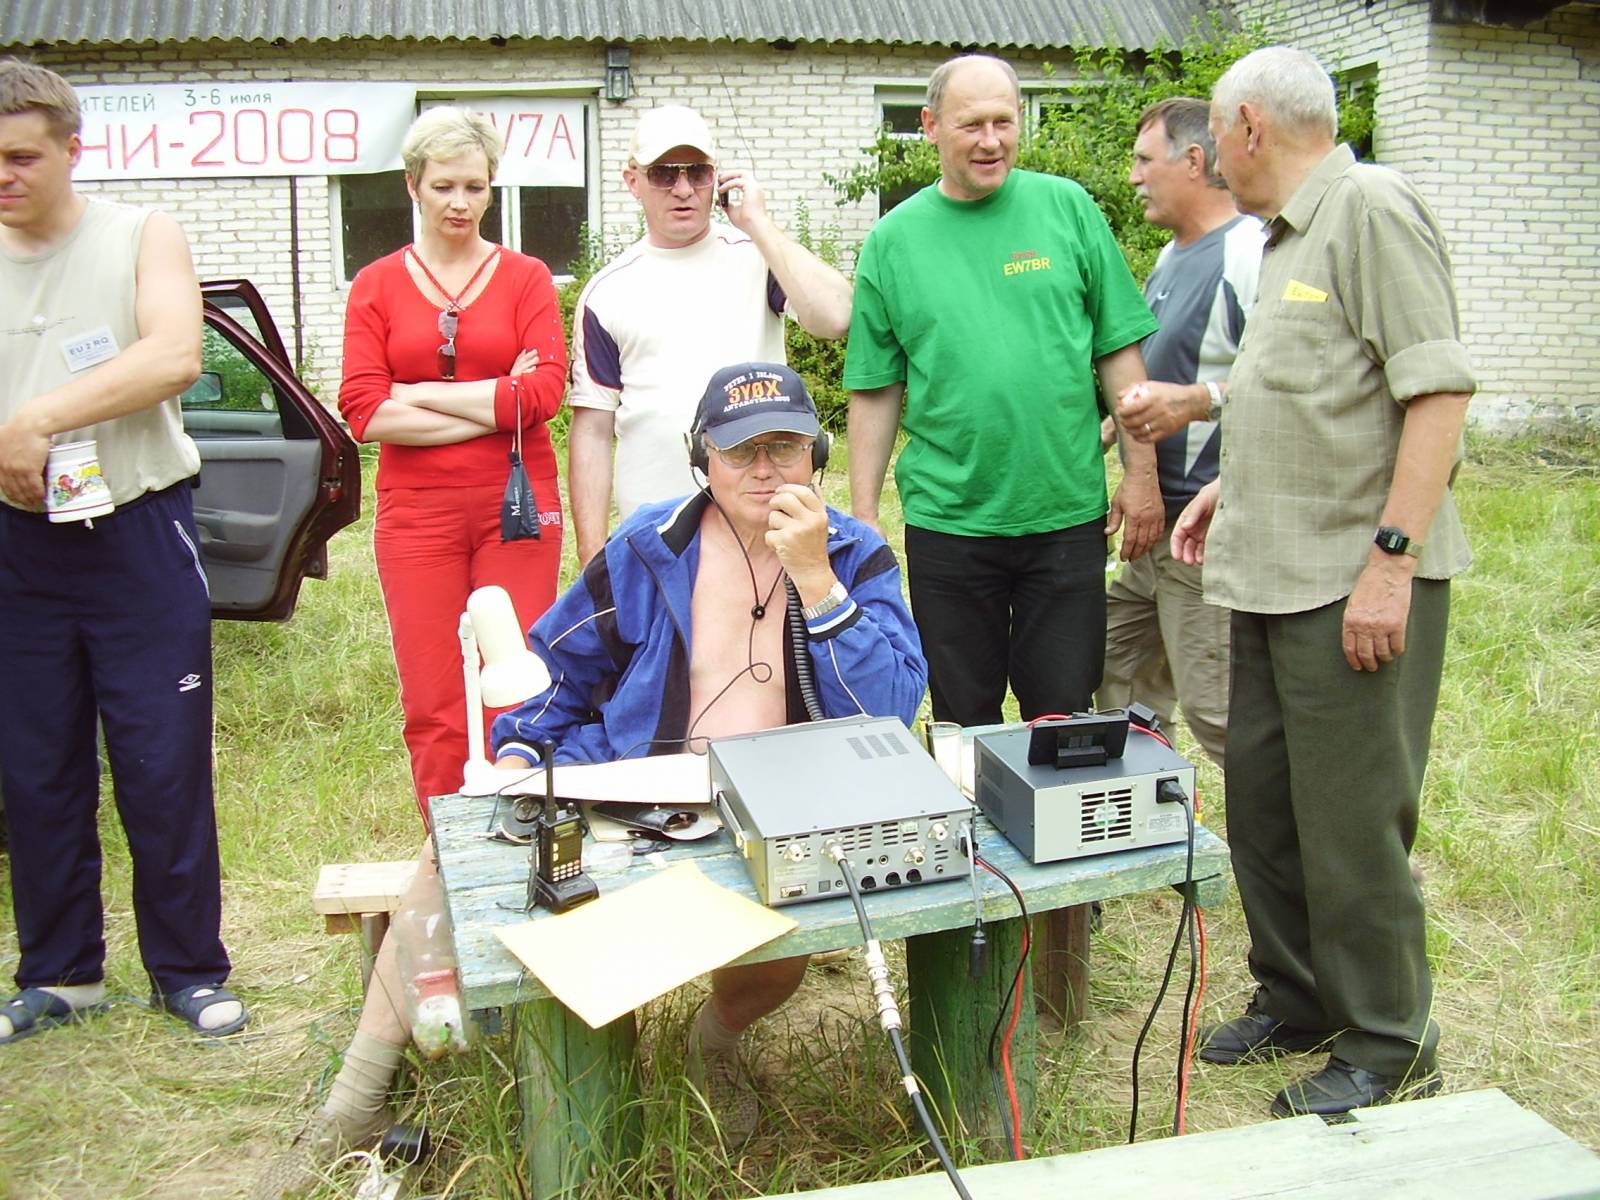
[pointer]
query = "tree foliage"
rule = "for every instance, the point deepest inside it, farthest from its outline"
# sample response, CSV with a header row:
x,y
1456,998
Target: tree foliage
x,y
1086,130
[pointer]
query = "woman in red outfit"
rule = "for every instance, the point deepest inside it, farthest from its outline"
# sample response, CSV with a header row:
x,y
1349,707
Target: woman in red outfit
x,y
450,346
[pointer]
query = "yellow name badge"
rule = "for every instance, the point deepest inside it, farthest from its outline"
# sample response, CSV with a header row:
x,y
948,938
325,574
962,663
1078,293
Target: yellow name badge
x,y
1304,293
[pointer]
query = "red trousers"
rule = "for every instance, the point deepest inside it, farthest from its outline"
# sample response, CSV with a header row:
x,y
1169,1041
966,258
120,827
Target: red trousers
x,y
435,546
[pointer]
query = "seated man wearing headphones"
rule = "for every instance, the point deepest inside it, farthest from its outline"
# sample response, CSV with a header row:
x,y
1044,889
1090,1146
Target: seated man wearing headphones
x,y
747,605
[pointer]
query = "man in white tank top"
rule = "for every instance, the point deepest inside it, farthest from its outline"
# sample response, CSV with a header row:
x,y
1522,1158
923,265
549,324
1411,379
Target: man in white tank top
x,y
107,619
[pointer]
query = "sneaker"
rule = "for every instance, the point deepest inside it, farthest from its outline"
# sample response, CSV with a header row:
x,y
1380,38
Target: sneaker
x,y
725,1083
321,1142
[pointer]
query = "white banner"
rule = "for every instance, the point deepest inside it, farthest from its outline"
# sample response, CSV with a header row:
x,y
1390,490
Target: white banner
x,y
242,128
542,136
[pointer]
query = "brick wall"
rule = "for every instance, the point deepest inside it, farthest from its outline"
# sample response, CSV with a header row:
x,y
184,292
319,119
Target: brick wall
x,y
790,115
1500,131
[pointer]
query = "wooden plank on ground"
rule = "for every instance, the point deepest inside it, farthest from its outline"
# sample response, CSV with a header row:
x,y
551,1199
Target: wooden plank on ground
x,y
1469,1146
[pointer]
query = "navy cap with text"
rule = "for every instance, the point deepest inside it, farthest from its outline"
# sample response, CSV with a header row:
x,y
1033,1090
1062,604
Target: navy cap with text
x,y
748,399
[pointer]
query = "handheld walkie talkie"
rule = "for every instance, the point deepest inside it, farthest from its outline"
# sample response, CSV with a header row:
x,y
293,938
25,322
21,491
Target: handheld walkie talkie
x,y
555,878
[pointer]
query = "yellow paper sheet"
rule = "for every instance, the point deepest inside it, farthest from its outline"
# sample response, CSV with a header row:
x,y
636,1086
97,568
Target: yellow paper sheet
x,y
630,946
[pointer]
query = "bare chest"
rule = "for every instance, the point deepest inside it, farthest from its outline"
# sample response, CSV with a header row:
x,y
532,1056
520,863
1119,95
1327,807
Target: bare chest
x,y
736,659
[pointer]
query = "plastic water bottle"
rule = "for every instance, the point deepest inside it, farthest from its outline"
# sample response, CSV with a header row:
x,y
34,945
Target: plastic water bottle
x,y
425,954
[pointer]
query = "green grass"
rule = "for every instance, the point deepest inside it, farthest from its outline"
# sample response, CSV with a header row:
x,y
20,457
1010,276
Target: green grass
x,y
311,769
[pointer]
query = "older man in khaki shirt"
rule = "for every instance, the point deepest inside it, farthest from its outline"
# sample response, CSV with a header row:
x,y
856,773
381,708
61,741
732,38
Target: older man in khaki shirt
x,y
1333,540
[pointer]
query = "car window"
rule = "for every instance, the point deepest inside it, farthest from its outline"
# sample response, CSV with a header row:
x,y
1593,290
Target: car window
x,y
232,397
239,309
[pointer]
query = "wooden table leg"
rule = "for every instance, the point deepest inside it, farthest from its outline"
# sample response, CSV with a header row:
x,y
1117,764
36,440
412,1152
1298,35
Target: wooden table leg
x,y
374,928
951,1017
1061,963
577,1087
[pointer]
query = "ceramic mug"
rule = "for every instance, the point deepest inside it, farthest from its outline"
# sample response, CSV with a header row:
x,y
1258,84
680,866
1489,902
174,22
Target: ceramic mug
x,y
75,490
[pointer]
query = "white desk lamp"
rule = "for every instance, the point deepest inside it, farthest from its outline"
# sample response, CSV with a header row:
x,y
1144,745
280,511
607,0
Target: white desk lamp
x,y
511,673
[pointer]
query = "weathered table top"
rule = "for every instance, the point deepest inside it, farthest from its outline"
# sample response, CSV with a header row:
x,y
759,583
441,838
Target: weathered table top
x,y
485,886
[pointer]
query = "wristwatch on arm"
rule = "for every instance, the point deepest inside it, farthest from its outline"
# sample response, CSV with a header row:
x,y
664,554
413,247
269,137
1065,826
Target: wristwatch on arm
x,y
1214,394
836,596
1394,541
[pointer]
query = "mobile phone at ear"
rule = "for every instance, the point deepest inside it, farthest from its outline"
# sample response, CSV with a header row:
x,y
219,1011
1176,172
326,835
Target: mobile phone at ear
x,y
730,198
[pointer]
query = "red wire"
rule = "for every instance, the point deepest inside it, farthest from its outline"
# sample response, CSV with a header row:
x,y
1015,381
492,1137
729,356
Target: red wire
x,y
1005,1055
1160,737
1050,717
1192,1033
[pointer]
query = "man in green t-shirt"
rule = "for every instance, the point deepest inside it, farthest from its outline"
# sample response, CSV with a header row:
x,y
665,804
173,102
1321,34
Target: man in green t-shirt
x,y
988,303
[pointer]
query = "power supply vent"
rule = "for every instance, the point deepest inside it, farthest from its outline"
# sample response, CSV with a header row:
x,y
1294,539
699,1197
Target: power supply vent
x,y
1105,816
872,746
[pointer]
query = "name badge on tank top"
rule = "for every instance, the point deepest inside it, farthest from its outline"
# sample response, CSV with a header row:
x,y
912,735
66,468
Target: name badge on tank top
x,y
89,349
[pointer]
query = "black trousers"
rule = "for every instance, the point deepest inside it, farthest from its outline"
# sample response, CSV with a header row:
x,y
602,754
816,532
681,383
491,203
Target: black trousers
x,y
113,621
1031,609
1324,784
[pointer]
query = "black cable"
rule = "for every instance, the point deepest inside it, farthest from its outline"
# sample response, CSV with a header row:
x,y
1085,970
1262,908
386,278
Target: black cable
x,y
889,1018
1185,918
1194,967
1014,996
800,653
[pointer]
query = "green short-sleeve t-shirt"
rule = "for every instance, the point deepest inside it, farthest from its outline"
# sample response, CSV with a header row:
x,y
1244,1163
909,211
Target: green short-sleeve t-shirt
x,y
992,313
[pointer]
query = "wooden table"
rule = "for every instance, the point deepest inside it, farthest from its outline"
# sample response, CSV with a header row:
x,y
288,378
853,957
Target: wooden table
x,y
574,1082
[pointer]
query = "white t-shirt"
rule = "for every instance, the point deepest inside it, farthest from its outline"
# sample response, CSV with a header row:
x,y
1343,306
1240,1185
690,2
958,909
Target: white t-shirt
x,y
651,329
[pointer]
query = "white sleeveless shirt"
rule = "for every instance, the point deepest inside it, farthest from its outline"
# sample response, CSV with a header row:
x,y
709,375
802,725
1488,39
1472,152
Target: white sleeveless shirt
x,y
56,304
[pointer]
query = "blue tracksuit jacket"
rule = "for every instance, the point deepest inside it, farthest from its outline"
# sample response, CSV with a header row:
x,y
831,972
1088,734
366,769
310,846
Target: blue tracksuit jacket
x,y
617,642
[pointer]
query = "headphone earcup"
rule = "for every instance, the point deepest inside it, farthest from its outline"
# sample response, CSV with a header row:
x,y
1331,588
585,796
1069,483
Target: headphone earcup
x,y
699,458
819,450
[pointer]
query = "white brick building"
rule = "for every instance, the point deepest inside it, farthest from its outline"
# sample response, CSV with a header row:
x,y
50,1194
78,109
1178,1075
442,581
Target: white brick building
x,y
1498,126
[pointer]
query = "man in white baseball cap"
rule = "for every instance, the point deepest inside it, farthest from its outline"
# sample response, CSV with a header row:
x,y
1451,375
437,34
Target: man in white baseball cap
x,y
690,296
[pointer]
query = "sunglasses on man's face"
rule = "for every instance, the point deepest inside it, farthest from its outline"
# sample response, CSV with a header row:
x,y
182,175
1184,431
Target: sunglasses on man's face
x,y
448,319
665,175
782,452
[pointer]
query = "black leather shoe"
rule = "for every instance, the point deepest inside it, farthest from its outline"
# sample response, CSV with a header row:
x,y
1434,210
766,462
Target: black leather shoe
x,y
1255,1037
1341,1086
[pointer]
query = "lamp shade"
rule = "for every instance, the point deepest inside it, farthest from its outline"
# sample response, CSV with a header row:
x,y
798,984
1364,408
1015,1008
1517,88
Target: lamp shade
x,y
511,672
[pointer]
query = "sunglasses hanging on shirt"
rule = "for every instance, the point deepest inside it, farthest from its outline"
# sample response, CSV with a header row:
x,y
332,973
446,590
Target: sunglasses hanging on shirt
x,y
450,315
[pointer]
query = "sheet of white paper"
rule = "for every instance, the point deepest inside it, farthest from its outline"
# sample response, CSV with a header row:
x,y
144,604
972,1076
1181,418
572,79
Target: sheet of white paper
x,y
630,946
670,780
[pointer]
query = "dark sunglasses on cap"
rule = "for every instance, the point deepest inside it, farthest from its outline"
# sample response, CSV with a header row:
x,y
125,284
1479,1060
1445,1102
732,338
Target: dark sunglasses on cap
x,y
448,320
665,175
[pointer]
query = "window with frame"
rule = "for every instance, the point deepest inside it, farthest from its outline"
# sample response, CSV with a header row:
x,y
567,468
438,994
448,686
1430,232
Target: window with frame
x,y
542,198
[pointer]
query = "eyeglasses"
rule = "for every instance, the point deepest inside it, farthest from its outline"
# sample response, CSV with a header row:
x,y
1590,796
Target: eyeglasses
x,y
448,319
665,175
781,453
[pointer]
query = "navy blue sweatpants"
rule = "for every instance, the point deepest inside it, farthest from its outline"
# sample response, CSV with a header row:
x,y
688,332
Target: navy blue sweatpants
x,y
113,620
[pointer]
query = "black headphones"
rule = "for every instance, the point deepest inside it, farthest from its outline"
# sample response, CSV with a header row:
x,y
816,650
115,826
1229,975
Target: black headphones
x,y
700,453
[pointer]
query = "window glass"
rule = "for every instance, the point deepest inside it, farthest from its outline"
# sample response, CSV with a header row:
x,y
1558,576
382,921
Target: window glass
x,y
232,397
903,118
374,217
551,220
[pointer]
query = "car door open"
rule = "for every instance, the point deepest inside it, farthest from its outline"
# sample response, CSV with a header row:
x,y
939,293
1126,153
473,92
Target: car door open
x,y
279,475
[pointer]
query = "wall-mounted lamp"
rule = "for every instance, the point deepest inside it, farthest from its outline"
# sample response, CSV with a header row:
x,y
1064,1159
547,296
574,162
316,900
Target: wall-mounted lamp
x,y
619,81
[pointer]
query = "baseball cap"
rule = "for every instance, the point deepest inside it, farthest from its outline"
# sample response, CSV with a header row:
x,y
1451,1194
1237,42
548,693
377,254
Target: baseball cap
x,y
753,398
661,129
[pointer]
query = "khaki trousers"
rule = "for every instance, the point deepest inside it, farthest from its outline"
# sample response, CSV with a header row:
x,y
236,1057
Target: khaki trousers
x,y
1166,647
